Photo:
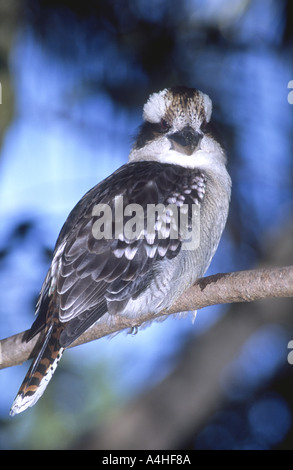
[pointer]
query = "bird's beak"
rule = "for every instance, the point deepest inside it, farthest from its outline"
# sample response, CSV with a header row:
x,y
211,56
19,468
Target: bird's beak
x,y
185,141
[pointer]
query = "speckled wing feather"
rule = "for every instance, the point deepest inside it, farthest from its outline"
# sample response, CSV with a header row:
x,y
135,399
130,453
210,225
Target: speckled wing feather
x,y
91,276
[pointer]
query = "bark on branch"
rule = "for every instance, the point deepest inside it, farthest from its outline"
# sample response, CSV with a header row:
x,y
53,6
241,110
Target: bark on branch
x,y
240,286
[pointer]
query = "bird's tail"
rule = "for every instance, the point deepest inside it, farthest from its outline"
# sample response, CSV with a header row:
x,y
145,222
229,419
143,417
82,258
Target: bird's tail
x,y
40,372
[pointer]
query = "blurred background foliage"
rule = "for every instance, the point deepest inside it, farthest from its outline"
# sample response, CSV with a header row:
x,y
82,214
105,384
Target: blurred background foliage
x,y
74,77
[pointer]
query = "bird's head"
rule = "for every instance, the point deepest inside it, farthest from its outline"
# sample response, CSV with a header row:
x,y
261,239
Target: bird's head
x,y
175,129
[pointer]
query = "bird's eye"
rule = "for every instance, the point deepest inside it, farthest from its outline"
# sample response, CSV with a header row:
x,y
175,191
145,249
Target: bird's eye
x,y
206,127
164,125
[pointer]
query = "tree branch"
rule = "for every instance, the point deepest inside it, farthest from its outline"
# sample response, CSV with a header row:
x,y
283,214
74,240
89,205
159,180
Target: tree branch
x,y
241,286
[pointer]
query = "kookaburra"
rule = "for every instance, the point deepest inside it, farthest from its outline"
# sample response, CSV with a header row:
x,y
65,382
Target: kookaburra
x,y
100,269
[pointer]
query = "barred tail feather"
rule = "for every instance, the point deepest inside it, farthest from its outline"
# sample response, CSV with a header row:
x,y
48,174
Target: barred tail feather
x,y
39,373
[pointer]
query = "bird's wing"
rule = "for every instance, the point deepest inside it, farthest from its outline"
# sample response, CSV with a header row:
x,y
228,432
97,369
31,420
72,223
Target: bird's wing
x,y
94,275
